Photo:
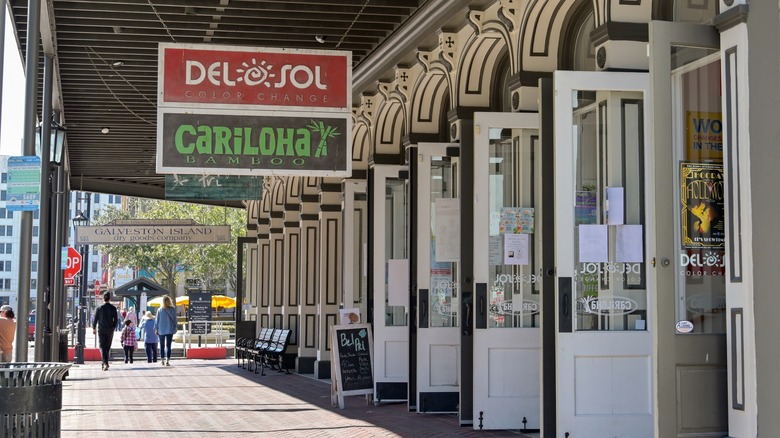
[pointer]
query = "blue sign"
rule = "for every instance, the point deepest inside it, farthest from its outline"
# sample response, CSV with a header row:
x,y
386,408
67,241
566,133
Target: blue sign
x,y
24,183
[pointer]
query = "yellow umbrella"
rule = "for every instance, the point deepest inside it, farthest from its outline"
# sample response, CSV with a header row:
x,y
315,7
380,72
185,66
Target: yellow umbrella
x,y
155,302
223,301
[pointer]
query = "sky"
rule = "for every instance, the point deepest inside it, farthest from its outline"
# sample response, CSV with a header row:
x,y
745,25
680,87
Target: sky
x,y
12,121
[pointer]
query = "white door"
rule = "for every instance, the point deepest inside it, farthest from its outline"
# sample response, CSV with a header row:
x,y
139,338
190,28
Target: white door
x,y
507,254
355,211
603,207
391,296
438,255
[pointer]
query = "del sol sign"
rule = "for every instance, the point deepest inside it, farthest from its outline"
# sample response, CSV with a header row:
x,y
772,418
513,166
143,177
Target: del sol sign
x,y
243,77
231,110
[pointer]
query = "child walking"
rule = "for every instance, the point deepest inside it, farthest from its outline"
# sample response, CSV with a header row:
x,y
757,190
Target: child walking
x,y
129,340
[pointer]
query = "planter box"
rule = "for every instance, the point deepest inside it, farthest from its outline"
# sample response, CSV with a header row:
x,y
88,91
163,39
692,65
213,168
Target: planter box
x,y
89,354
207,353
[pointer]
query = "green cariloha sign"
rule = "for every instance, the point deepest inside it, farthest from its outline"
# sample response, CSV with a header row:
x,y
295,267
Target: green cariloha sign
x,y
252,145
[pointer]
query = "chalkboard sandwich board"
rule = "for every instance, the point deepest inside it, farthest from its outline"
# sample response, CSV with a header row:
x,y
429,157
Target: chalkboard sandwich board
x,y
352,361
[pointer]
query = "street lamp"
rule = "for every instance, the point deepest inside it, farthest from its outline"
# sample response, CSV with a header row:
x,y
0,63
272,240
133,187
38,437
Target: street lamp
x,y
56,142
50,140
82,219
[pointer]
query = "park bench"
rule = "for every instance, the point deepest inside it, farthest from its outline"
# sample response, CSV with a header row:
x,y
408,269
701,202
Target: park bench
x,y
260,345
273,357
242,347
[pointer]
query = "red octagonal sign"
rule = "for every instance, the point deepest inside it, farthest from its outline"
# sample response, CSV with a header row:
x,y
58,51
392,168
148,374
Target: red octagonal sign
x,y
73,266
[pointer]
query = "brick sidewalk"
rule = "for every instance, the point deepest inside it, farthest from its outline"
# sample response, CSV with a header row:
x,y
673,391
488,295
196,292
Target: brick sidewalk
x,y
197,398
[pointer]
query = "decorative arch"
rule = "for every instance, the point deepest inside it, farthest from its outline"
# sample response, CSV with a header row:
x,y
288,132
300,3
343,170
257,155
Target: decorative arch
x,y
361,144
428,103
390,120
292,193
264,215
277,196
252,213
541,33
478,68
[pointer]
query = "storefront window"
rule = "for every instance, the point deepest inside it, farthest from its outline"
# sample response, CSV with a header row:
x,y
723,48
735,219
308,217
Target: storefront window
x,y
444,292
514,283
609,212
701,239
395,244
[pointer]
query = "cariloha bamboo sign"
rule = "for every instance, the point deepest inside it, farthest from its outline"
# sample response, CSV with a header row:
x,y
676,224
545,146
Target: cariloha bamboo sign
x,y
244,144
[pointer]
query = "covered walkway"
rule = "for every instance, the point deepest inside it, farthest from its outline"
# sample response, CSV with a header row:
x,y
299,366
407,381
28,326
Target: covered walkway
x,y
196,398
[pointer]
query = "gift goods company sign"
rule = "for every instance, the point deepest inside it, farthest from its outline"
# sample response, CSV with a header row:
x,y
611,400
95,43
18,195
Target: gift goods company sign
x,y
253,111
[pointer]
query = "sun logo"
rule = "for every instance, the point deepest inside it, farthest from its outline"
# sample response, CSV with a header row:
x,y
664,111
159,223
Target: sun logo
x,y
256,73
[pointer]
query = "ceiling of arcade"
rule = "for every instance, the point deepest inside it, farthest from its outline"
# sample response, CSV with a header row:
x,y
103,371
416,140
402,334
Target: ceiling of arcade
x,y
417,66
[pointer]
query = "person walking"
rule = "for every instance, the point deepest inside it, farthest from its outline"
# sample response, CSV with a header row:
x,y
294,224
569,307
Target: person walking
x,y
165,327
7,333
132,316
106,318
141,324
150,337
129,341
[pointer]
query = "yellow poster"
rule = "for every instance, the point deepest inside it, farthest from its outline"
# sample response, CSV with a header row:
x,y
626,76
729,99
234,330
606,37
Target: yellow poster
x,y
702,209
704,136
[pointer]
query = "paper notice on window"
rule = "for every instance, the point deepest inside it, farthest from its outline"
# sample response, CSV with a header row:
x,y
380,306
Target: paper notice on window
x,y
615,206
594,245
629,247
447,215
398,282
515,249
496,250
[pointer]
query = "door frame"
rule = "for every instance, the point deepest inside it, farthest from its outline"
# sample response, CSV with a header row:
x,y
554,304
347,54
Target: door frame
x,y
429,398
483,341
392,388
571,343
662,37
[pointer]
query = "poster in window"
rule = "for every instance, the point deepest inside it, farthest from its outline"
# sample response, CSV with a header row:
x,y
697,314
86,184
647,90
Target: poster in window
x,y
585,208
704,140
702,205
516,220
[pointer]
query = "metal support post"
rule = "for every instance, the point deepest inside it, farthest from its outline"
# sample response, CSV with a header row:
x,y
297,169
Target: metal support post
x,y
83,205
25,228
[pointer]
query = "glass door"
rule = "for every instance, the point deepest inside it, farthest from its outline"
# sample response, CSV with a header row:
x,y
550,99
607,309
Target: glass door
x,y
701,305
438,249
390,283
507,262
604,342
355,246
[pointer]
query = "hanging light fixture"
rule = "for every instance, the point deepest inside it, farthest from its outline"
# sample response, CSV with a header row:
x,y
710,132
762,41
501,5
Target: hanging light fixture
x,y
56,142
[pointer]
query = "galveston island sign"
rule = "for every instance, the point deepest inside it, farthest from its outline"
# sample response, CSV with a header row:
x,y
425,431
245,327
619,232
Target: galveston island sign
x,y
253,111
152,232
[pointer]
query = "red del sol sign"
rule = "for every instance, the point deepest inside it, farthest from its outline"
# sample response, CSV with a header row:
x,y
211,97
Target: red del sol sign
x,y
242,77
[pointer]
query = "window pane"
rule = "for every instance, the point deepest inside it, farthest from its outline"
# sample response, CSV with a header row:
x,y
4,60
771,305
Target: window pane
x,y
513,285
610,285
701,285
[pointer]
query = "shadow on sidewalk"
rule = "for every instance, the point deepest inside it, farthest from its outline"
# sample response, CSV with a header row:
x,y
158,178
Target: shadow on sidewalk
x,y
394,417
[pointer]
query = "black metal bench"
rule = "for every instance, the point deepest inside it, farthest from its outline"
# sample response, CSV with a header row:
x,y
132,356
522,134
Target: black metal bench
x,y
267,337
273,356
243,345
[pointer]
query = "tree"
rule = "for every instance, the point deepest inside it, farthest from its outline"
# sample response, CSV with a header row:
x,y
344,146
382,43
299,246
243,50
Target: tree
x,y
213,264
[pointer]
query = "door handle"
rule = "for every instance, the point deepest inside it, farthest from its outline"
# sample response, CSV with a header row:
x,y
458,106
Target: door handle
x,y
481,297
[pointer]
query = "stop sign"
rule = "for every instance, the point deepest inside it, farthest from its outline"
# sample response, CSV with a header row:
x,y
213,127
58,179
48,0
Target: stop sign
x,y
73,266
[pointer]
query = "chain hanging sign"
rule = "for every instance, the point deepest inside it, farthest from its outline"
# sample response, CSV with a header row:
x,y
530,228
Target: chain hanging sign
x,y
253,111
152,233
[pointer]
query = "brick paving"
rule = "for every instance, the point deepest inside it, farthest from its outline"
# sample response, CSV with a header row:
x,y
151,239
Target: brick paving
x,y
199,398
